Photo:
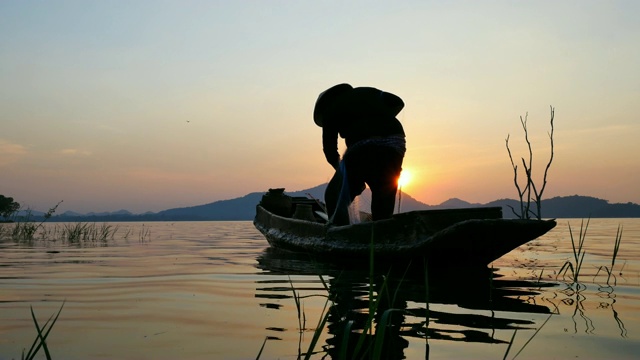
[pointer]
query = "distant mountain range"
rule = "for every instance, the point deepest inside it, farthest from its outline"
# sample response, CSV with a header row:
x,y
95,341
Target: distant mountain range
x,y
243,208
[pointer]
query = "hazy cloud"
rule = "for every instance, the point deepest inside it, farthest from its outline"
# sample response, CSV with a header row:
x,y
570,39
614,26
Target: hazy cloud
x,y
10,152
75,152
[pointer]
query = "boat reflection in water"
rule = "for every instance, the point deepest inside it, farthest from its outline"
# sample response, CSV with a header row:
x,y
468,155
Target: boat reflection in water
x,y
403,292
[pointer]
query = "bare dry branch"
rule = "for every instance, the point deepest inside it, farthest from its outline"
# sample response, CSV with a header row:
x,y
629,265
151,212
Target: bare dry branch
x,y
525,207
515,181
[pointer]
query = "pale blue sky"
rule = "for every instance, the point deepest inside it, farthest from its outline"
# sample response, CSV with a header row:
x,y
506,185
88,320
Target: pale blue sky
x,y
95,96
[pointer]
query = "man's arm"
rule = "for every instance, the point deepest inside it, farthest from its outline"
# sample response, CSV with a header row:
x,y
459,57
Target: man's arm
x,y
330,146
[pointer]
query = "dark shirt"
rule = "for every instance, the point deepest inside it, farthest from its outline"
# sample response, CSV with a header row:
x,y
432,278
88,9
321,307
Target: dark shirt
x,y
360,114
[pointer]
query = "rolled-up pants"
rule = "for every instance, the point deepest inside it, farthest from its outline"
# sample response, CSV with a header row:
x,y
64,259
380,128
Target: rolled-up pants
x,y
377,166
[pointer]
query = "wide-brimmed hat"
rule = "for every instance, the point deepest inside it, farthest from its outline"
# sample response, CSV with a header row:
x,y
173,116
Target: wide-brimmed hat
x,y
393,103
326,99
343,97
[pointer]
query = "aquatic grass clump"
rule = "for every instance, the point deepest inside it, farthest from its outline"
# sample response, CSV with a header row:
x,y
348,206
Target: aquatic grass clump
x,y
371,329
302,317
25,229
77,232
322,322
578,252
106,232
74,233
364,349
302,320
144,234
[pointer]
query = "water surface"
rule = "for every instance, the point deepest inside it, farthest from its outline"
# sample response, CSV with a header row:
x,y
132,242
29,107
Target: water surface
x,y
215,290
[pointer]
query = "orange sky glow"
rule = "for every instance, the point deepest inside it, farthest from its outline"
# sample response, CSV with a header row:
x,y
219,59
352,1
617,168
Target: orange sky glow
x,y
149,106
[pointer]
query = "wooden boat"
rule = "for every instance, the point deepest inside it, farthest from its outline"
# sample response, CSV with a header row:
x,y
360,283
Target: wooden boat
x,y
470,236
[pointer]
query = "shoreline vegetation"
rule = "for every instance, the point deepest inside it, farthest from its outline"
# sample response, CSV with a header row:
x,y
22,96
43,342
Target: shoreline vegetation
x,y
82,234
243,209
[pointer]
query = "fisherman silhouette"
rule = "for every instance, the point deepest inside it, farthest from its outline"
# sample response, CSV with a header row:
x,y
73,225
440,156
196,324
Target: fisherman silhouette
x,y
365,117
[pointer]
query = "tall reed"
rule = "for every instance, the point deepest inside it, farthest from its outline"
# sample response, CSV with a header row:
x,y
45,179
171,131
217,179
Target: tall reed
x,y
77,232
374,349
578,252
322,322
616,249
527,342
26,228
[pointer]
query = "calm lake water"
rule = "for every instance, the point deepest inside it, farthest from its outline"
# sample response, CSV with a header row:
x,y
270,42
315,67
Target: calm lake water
x,y
214,290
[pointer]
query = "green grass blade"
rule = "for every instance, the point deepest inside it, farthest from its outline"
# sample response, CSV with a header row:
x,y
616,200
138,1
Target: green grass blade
x,y
381,330
395,293
616,246
37,342
316,334
374,304
296,297
573,244
324,282
32,350
344,345
367,326
510,343
426,301
566,267
532,336
262,347
41,337
577,269
540,277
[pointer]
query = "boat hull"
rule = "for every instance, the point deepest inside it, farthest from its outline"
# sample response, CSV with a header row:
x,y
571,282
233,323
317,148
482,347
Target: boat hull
x,y
443,237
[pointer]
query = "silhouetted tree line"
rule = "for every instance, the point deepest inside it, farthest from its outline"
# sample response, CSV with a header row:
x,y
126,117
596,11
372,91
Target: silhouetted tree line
x,y
8,207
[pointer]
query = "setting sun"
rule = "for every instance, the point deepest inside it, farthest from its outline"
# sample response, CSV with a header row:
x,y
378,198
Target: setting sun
x,y
404,179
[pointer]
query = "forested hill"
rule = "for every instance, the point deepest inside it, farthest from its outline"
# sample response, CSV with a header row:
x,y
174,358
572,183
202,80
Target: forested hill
x,y
243,208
